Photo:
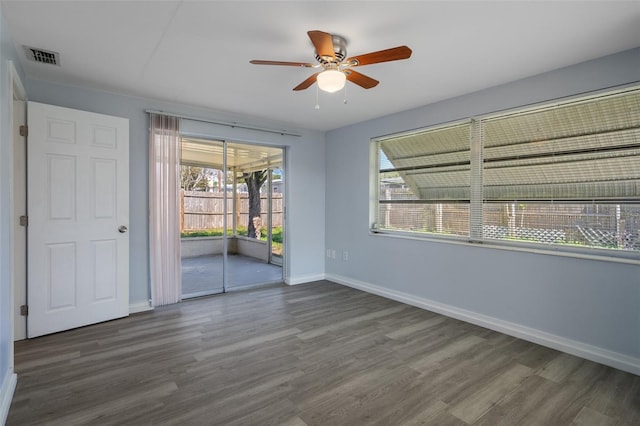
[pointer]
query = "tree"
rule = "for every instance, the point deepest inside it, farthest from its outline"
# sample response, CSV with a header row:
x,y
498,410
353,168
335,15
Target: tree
x,y
254,181
195,178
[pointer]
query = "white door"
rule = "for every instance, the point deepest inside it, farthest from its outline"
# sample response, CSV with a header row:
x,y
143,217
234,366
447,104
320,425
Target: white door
x,y
78,207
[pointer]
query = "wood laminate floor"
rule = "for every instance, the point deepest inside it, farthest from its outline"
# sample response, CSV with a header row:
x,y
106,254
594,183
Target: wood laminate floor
x,y
315,354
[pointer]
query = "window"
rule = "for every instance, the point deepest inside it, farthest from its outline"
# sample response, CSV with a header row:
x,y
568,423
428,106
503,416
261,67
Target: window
x,y
564,175
424,181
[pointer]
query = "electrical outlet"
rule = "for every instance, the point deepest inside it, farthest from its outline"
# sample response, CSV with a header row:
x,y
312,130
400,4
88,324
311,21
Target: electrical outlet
x,y
329,253
345,256
333,254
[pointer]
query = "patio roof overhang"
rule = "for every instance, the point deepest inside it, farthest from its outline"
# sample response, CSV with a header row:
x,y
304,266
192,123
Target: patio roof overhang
x,y
241,157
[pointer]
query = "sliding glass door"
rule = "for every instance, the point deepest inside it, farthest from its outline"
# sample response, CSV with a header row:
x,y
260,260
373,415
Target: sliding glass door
x,y
232,217
202,217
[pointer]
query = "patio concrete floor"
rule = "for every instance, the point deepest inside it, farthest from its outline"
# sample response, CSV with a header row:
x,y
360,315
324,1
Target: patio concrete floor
x,y
202,275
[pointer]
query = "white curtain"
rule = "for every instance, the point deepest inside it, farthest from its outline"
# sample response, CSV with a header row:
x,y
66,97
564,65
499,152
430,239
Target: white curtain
x,y
164,208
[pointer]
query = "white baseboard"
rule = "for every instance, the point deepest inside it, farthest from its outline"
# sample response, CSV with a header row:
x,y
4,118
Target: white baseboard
x,y
573,347
303,279
134,308
6,394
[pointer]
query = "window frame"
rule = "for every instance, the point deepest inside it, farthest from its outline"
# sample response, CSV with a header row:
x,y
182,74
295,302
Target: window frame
x,y
476,203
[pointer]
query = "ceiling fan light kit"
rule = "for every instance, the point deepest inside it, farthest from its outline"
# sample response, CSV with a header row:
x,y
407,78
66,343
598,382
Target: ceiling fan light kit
x,y
331,80
336,68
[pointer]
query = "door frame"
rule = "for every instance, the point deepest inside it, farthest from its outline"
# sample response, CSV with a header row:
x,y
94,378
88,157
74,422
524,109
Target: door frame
x,y
17,93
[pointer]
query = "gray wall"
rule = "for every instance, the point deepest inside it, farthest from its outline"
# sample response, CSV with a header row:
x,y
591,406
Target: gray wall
x,y
305,173
576,304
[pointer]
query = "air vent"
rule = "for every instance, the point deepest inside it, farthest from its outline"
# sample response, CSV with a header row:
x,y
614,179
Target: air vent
x,y
42,56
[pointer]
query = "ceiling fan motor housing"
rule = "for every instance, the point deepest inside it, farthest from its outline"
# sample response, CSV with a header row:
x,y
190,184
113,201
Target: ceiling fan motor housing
x,y
339,49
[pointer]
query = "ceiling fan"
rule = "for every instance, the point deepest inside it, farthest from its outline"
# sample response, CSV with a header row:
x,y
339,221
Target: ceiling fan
x,y
331,52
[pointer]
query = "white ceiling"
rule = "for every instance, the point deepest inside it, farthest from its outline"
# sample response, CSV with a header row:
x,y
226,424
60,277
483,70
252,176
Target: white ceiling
x,y
198,52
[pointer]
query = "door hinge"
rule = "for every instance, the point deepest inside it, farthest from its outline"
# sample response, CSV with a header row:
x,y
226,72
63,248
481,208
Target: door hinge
x,y
24,310
24,131
24,220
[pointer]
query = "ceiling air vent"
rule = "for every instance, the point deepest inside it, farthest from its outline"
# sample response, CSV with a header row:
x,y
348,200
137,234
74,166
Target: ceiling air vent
x,y
42,56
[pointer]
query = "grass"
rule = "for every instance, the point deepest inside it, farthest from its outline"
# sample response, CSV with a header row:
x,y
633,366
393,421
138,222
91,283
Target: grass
x,y
205,233
276,235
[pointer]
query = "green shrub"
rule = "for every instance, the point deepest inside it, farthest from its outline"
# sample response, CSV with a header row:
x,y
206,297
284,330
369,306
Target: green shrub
x,y
276,233
204,233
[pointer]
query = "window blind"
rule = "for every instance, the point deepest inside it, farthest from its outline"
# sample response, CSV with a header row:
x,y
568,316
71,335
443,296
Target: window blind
x,y
424,180
563,174
434,165
576,152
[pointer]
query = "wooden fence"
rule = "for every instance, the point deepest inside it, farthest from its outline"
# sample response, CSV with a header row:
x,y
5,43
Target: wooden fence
x,y
608,225
205,210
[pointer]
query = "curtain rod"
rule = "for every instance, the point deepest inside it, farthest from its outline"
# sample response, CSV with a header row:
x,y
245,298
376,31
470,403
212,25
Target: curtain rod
x,y
223,123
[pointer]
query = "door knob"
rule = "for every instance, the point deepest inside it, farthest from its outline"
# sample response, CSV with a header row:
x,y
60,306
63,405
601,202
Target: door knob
x,y
122,229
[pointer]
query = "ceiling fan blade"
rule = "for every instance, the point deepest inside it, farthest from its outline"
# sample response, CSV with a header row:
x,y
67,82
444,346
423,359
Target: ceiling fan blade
x,y
307,83
361,79
323,43
393,54
290,64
